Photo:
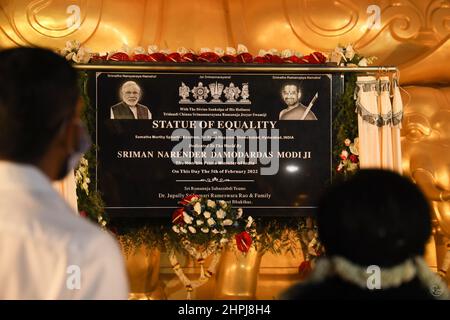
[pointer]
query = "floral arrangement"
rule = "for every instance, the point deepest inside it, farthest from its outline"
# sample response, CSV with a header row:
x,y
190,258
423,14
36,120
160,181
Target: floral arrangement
x,y
347,57
73,51
78,54
201,221
203,227
349,157
90,204
312,248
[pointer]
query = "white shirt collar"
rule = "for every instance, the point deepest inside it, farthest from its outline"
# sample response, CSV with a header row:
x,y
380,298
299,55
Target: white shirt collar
x,y
18,176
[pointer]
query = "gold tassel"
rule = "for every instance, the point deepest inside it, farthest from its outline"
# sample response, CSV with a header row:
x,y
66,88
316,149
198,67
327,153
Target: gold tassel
x,y
189,289
202,269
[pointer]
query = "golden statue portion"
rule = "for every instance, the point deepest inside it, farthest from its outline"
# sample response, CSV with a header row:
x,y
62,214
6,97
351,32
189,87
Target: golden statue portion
x,y
426,156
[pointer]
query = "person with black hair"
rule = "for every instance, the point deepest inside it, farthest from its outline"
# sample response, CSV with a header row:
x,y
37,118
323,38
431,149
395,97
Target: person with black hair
x,y
374,228
47,251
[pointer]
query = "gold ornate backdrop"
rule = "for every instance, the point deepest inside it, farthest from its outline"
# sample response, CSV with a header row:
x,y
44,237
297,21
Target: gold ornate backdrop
x,y
411,34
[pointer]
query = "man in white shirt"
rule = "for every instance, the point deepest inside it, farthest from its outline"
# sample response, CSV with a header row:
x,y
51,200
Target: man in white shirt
x,y
46,250
129,108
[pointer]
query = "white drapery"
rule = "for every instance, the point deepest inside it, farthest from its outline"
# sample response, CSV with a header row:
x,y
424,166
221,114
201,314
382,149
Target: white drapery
x,y
380,111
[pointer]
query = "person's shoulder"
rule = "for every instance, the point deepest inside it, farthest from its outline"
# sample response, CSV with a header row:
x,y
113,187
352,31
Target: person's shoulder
x,y
337,289
117,105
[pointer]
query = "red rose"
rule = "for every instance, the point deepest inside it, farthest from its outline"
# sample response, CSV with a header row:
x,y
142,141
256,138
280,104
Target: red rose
x,y
119,56
83,214
304,59
189,57
174,57
353,158
140,57
208,57
228,59
244,57
261,60
274,58
292,59
177,216
304,269
157,57
188,199
243,241
316,58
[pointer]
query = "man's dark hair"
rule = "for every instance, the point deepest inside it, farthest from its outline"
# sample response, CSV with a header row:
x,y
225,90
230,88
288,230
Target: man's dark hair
x,y
376,218
38,93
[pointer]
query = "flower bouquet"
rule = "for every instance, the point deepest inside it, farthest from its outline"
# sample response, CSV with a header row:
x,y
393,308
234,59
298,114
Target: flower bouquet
x,y
202,227
348,57
349,157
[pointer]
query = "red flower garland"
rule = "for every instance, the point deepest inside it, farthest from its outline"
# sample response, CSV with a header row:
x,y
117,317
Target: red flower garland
x,y
212,57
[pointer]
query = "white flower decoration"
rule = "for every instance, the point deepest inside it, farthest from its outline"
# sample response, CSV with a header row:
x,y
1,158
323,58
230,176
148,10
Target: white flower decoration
x,y
211,204
262,53
200,222
203,50
274,52
223,204
192,229
214,231
227,222
176,229
207,214
363,62
152,48
187,218
82,56
230,51
198,208
219,51
182,50
286,53
221,214
205,229
183,229
241,49
211,222
139,50
347,142
249,222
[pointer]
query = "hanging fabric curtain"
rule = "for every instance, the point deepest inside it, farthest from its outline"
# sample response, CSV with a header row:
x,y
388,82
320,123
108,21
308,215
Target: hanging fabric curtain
x,y
379,122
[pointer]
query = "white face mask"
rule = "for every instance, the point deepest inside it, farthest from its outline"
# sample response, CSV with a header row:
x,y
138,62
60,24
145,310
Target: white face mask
x,y
84,143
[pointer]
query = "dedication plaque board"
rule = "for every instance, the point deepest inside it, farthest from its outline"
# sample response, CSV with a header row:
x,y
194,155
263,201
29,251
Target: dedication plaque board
x,y
262,141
